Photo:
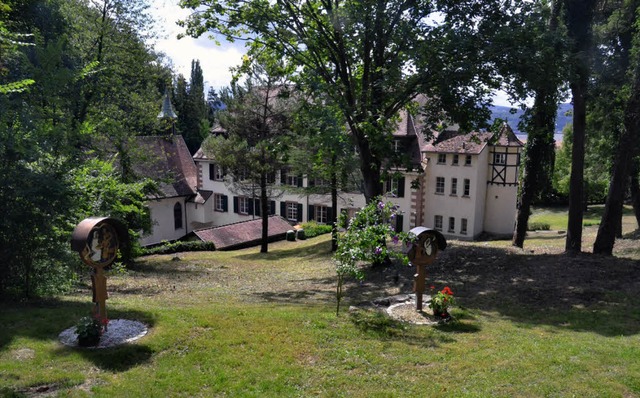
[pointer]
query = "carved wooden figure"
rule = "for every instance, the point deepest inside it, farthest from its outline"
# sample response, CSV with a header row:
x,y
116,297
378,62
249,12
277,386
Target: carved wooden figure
x,y
422,253
97,240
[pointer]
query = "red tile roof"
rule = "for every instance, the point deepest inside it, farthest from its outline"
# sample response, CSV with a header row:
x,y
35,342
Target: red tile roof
x,y
472,143
244,234
166,159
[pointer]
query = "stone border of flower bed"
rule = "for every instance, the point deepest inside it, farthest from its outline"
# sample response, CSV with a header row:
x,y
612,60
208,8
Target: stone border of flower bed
x,y
120,331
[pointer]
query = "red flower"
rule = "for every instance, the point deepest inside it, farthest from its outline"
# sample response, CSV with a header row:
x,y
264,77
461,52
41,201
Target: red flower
x,y
448,291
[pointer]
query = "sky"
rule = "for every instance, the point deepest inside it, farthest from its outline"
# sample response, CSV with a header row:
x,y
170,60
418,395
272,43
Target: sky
x,y
215,60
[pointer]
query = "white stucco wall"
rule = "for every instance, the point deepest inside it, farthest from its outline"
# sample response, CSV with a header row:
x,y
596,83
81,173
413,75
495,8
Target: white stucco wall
x,y
345,200
501,209
163,226
457,206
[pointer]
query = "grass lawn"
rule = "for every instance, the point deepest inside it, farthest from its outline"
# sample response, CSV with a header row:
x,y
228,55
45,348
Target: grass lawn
x,y
530,322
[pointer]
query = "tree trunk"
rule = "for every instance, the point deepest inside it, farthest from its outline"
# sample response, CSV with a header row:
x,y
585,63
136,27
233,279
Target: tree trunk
x,y
537,147
371,173
579,17
334,205
635,191
264,211
612,216
573,243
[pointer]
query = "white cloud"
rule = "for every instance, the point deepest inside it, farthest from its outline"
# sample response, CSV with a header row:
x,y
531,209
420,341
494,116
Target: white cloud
x,y
215,60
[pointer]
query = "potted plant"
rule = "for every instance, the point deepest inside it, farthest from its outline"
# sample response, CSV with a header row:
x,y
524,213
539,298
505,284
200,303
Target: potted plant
x,y
440,302
89,330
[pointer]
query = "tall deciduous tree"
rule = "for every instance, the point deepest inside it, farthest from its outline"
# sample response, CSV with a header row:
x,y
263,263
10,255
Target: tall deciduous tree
x,y
625,49
257,120
579,15
325,155
531,60
373,56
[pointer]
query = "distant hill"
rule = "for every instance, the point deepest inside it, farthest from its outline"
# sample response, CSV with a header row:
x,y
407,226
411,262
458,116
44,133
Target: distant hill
x,y
502,112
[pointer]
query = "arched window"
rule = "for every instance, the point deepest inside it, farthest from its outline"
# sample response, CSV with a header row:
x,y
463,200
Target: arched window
x,y
177,215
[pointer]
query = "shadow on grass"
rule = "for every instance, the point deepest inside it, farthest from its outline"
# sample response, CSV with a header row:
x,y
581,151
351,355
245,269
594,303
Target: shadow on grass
x,y
325,291
115,359
306,250
583,293
46,319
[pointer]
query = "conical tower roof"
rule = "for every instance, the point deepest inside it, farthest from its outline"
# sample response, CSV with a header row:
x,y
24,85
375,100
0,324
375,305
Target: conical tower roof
x,y
167,111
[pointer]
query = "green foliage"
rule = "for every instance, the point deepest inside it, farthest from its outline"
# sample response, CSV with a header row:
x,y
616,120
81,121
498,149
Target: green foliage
x,y
101,191
538,226
179,246
441,301
312,229
89,330
371,59
364,241
93,84
192,109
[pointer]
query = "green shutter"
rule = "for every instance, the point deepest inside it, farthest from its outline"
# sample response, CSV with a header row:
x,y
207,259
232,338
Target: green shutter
x,y
401,183
311,213
300,212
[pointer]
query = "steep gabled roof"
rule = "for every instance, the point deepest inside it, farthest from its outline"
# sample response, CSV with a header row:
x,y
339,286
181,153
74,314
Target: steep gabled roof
x,y
167,160
506,137
456,142
472,143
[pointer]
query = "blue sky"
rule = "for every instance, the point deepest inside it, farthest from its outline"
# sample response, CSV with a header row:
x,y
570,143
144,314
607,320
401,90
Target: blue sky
x,y
215,60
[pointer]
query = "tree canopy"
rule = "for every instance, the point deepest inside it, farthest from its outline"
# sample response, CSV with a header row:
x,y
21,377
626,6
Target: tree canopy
x,y
373,57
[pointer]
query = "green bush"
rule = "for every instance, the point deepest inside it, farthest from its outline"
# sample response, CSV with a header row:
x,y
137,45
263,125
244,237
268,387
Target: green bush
x,y
179,246
312,229
539,226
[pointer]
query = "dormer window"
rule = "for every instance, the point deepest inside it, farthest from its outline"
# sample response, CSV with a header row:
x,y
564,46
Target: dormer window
x,y
442,158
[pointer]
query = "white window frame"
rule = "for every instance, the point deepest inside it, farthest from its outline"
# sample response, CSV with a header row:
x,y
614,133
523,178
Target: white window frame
x,y
500,158
466,187
218,202
218,173
321,214
454,187
440,184
442,158
437,223
292,180
452,224
291,211
456,159
243,205
463,226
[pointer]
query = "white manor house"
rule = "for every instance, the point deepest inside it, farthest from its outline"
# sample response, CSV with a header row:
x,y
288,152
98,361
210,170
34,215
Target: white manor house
x,y
461,184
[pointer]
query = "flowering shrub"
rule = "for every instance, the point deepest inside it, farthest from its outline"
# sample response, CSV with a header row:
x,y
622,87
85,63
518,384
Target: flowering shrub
x,y
365,239
441,301
90,328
